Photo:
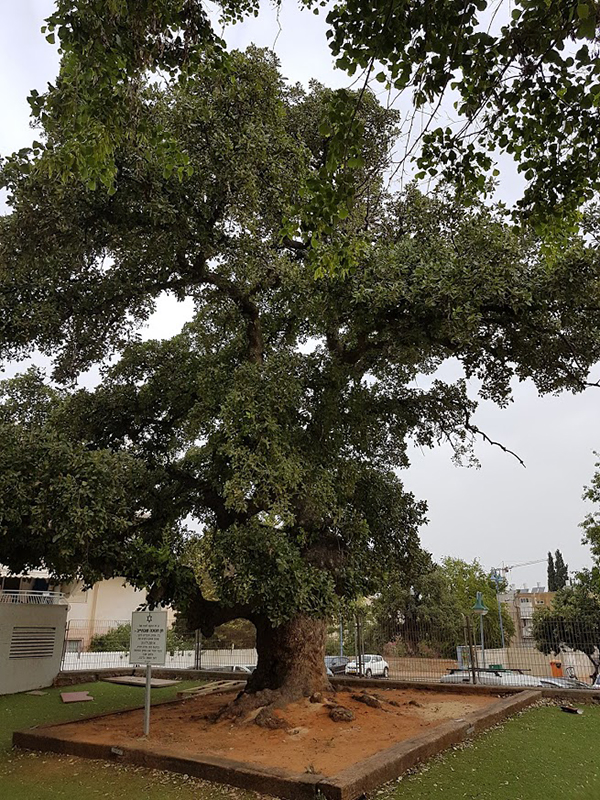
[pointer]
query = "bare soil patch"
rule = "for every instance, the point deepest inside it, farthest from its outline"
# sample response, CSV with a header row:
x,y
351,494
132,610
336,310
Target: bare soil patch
x,y
313,742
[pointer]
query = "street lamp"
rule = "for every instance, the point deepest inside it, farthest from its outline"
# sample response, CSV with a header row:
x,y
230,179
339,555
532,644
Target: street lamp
x,y
480,608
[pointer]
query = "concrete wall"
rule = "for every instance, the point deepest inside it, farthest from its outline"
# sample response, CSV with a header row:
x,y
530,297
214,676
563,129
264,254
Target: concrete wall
x,y
28,629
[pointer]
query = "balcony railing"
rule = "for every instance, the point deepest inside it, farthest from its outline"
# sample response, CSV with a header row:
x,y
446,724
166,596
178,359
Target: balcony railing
x,y
32,598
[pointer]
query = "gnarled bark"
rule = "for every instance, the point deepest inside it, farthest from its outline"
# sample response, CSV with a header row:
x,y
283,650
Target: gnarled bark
x,y
291,665
291,657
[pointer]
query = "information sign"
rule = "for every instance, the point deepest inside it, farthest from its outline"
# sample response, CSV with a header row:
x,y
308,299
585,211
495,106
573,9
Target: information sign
x,y
148,638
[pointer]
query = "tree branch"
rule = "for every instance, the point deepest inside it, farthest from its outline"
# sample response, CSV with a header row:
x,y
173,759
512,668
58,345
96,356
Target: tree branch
x,y
207,494
476,431
200,613
242,300
207,615
292,244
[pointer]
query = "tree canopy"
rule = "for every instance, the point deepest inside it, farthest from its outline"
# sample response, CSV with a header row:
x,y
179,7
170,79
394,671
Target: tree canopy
x,y
591,523
518,78
574,618
421,610
248,466
551,573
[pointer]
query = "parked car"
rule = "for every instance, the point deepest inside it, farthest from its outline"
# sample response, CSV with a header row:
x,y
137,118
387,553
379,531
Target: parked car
x,y
511,677
246,668
566,683
373,666
491,677
337,664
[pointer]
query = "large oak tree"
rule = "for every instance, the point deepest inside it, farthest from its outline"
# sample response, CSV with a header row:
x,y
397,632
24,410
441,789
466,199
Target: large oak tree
x,y
247,467
519,78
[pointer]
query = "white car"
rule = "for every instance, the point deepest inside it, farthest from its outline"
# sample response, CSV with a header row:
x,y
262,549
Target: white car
x,y
372,667
246,668
490,677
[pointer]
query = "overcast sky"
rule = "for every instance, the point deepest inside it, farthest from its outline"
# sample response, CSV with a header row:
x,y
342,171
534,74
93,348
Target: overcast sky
x,y
499,513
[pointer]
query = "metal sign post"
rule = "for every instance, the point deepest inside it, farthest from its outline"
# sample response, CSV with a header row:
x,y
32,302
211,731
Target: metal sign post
x,y
148,646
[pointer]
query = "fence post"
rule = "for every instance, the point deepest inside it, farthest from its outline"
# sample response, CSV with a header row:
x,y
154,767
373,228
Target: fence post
x,y
198,650
64,648
469,638
360,645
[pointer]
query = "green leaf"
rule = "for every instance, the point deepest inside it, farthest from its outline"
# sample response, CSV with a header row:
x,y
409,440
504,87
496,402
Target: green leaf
x,y
356,162
583,11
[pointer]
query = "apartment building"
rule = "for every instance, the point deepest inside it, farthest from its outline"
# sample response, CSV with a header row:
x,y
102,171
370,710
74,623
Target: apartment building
x,y
521,604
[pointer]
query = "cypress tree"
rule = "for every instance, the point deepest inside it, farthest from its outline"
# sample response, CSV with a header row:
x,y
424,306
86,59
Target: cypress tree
x,y
561,571
551,574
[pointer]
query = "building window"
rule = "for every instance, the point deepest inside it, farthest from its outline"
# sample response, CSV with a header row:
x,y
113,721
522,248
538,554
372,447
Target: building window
x,y
73,645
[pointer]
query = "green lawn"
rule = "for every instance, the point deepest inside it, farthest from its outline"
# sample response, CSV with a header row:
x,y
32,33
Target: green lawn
x,y
541,754
24,776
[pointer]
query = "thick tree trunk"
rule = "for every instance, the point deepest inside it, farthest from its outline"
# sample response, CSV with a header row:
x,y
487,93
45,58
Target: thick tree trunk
x,y
291,658
291,665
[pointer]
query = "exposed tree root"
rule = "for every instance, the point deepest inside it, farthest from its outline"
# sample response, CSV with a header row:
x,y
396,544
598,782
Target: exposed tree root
x,y
246,703
341,714
367,699
266,718
261,706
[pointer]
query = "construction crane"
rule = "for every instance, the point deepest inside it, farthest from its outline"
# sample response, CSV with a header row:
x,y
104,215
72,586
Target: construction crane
x,y
506,569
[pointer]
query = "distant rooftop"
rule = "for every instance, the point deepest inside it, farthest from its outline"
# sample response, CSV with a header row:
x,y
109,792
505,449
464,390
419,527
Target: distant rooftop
x,y
513,589
533,590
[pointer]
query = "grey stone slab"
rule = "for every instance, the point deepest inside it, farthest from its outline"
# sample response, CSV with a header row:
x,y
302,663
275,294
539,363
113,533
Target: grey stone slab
x,y
76,697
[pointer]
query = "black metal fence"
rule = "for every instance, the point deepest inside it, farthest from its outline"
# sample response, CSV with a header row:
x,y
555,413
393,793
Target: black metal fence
x,y
402,651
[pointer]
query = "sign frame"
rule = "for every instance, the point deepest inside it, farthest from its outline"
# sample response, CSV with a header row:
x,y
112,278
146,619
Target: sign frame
x,y
148,641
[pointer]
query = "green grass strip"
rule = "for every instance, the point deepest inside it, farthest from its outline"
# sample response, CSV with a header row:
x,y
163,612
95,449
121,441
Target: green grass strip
x,y
541,754
24,775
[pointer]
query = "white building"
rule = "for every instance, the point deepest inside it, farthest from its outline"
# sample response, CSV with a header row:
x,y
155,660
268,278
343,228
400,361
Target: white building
x,y
94,611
